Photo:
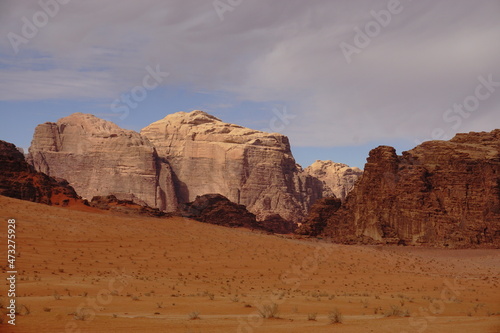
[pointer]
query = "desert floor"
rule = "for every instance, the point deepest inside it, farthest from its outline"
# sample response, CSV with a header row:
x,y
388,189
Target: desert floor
x,y
96,272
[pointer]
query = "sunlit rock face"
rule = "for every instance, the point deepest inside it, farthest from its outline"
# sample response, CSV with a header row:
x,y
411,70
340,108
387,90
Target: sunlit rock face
x,y
249,167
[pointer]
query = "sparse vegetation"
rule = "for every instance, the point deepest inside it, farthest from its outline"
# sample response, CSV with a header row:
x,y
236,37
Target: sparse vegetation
x,y
312,316
269,311
56,295
83,314
397,311
22,310
335,317
194,315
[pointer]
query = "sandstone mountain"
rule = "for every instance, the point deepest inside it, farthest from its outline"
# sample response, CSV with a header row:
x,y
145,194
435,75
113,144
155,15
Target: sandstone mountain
x,y
441,193
19,180
98,158
249,167
338,178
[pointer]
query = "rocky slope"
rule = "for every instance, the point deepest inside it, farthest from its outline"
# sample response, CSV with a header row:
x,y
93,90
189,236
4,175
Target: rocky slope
x,y
249,167
111,203
441,193
219,210
98,158
338,178
19,180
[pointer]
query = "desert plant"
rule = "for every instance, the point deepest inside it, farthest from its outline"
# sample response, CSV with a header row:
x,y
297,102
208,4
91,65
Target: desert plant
x,y
335,316
269,311
82,315
47,309
22,310
397,311
194,315
312,316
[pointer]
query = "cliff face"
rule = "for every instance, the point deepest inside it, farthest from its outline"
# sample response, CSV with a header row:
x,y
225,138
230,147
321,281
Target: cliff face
x,y
98,158
19,180
338,178
440,193
249,167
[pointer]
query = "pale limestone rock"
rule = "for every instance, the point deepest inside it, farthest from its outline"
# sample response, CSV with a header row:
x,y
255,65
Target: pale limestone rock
x,y
97,157
338,178
252,168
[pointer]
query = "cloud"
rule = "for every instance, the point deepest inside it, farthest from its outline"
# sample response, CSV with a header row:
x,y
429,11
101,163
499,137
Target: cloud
x,y
427,58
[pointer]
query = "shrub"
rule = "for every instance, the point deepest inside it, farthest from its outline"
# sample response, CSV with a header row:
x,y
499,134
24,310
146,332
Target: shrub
x,y
22,310
312,316
194,315
335,317
269,311
397,311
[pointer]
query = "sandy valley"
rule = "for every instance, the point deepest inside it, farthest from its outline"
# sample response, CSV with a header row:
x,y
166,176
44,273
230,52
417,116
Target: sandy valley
x,y
89,271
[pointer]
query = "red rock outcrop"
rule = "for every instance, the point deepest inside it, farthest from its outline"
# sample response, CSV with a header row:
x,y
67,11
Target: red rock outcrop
x,y
111,203
19,180
442,193
217,209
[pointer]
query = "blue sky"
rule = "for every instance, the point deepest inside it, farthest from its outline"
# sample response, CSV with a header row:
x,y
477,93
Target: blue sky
x,y
351,75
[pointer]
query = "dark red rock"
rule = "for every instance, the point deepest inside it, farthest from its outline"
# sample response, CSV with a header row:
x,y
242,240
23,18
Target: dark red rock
x,y
217,209
318,215
110,202
19,180
276,224
441,193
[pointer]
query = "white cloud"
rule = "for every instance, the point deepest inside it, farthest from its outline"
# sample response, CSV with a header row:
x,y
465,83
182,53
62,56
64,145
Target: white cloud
x,y
426,59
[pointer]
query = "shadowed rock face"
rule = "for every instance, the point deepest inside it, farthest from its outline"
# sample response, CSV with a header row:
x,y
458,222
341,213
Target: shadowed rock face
x,y
249,167
316,220
98,158
338,178
217,209
439,193
19,180
110,202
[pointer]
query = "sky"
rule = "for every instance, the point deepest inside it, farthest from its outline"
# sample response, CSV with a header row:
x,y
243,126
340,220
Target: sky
x,y
338,77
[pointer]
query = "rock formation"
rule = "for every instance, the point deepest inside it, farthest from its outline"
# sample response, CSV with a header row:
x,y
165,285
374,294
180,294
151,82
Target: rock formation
x,y
19,180
319,213
110,202
98,158
217,209
338,178
249,167
440,193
